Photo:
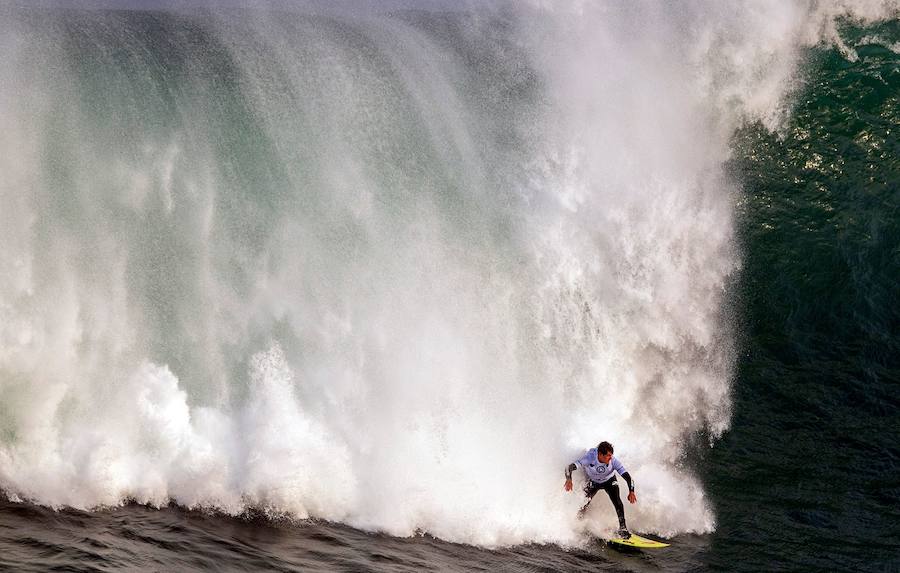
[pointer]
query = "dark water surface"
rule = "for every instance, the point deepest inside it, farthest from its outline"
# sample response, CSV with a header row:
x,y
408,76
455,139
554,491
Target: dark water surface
x,y
808,478
34,538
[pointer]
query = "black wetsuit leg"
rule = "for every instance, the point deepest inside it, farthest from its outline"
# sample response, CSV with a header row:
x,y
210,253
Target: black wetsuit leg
x,y
590,490
611,487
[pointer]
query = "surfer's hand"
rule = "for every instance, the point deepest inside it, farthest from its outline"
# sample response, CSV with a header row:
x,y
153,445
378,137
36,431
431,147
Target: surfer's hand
x,y
631,497
568,485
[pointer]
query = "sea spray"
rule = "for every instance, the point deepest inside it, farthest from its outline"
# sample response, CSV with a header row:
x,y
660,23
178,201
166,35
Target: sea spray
x,y
393,270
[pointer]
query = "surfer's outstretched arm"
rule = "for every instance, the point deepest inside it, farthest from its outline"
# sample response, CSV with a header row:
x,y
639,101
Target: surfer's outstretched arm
x,y
627,477
617,465
569,471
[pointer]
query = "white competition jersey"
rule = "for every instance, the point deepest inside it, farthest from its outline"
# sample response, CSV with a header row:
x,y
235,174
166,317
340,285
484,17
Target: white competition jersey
x,y
596,470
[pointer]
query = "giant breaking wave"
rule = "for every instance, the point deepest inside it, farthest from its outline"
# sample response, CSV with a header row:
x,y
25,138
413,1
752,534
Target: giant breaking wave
x,y
389,269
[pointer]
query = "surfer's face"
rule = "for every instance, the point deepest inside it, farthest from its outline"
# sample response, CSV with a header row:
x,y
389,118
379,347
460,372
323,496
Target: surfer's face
x,y
604,458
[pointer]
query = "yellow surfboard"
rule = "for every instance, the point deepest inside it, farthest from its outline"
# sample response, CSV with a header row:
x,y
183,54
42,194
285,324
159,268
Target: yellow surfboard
x,y
638,542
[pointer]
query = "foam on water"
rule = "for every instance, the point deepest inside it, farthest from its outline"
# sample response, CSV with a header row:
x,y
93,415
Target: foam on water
x,y
390,271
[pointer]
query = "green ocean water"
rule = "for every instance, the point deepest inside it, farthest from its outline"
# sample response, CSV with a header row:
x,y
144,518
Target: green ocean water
x,y
808,475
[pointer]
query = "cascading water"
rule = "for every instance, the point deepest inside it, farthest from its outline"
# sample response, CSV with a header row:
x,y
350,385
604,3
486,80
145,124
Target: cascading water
x,y
393,270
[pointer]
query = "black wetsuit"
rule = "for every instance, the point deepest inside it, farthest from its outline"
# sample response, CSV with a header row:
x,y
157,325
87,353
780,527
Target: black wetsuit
x,y
611,487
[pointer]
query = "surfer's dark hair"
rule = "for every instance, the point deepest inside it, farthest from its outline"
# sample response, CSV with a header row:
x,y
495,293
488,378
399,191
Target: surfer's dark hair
x,y
604,448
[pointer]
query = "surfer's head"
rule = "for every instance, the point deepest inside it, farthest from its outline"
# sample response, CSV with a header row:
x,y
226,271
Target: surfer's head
x,y
604,452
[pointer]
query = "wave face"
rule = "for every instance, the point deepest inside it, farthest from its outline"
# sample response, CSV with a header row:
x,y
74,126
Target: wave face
x,y
393,270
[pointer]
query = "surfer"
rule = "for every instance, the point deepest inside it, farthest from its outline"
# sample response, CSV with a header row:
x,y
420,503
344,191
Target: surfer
x,y
599,466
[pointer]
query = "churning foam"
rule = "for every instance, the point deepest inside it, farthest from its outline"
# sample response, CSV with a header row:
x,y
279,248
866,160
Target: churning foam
x,y
392,271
